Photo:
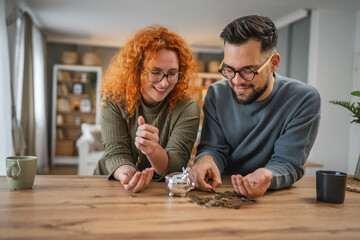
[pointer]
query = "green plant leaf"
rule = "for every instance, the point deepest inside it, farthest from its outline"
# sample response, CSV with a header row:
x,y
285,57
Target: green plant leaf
x,y
356,93
351,107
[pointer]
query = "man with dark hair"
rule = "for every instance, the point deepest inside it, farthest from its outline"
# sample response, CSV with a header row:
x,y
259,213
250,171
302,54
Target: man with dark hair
x,y
259,127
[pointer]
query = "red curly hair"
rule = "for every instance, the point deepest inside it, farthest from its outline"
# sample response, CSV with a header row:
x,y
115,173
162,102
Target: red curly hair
x,y
121,82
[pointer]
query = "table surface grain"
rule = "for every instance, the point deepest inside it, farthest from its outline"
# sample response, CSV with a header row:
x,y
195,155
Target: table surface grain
x,y
91,207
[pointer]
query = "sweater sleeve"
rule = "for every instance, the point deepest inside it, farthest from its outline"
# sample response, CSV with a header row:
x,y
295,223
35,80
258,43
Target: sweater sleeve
x,y
115,138
182,138
295,142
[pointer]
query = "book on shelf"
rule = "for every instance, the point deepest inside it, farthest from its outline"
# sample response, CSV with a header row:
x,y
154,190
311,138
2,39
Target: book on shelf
x,y
62,90
59,134
63,105
64,75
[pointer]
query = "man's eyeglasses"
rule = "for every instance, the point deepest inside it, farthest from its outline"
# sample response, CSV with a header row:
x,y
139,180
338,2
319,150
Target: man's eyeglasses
x,y
245,73
158,76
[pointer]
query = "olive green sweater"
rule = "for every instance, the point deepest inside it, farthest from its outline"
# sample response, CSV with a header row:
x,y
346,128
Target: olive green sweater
x,y
177,134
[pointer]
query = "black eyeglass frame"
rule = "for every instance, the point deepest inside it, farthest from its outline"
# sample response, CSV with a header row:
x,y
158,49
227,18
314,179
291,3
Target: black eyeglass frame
x,y
167,77
221,68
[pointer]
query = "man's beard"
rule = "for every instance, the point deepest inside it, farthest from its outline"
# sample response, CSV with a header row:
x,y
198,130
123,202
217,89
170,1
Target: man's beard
x,y
252,96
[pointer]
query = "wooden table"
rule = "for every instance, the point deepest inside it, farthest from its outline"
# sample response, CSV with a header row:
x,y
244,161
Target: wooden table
x,y
91,207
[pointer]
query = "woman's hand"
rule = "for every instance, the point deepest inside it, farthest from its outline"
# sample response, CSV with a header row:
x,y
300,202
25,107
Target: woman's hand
x,y
147,141
131,179
147,137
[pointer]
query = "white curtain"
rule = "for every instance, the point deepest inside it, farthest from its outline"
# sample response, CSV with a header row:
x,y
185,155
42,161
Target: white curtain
x,y
17,76
41,149
5,96
30,124
18,69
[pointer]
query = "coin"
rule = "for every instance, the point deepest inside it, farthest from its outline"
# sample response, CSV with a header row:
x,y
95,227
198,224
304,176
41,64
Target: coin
x,y
225,199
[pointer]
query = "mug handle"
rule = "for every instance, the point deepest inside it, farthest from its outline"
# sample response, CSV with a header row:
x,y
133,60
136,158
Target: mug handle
x,y
9,168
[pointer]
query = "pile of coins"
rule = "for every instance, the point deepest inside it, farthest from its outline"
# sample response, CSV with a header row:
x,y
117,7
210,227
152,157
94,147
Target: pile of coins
x,y
221,199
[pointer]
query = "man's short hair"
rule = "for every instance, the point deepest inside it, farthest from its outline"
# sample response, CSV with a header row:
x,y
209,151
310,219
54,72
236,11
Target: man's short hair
x,y
254,27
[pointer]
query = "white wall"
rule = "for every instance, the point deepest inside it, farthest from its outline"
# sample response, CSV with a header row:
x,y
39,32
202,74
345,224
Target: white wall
x,y
298,54
283,49
354,146
331,61
5,96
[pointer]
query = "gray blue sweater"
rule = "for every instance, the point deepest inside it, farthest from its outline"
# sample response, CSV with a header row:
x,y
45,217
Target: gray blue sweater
x,y
276,133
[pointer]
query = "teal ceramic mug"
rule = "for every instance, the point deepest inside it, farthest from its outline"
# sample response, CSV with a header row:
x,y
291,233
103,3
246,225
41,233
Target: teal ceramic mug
x,y
21,171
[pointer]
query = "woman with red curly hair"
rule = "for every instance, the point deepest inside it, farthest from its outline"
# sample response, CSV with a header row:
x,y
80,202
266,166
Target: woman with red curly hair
x,y
149,122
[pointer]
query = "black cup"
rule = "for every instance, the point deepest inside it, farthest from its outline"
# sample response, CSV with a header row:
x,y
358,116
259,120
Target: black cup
x,y
330,186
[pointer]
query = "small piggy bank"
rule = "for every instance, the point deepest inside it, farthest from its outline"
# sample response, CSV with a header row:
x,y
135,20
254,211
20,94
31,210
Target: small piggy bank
x,y
179,183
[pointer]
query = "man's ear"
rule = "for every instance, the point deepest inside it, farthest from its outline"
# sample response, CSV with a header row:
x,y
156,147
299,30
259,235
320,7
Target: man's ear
x,y
275,61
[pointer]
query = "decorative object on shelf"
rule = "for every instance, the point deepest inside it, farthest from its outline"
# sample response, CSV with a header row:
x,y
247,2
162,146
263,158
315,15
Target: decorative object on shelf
x,y
355,109
92,84
78,88
90,59
60,119
75,107
84,77
85,105
69,58
201,66
213,66
77,120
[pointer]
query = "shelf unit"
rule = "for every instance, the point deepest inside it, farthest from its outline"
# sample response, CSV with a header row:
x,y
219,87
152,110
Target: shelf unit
x,y
207,64
75,101
202,84
200,88
216,76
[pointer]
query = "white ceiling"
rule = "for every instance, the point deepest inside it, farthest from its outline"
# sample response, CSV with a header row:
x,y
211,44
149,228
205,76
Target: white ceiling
x,y
199,22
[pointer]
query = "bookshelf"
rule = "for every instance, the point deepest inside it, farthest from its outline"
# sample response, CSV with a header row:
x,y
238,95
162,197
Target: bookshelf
x,y
207,64
205,79
200,87
75,101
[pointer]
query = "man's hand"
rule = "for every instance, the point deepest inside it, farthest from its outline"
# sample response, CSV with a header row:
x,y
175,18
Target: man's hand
x,y
254,184
205,173
147,137
131,179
